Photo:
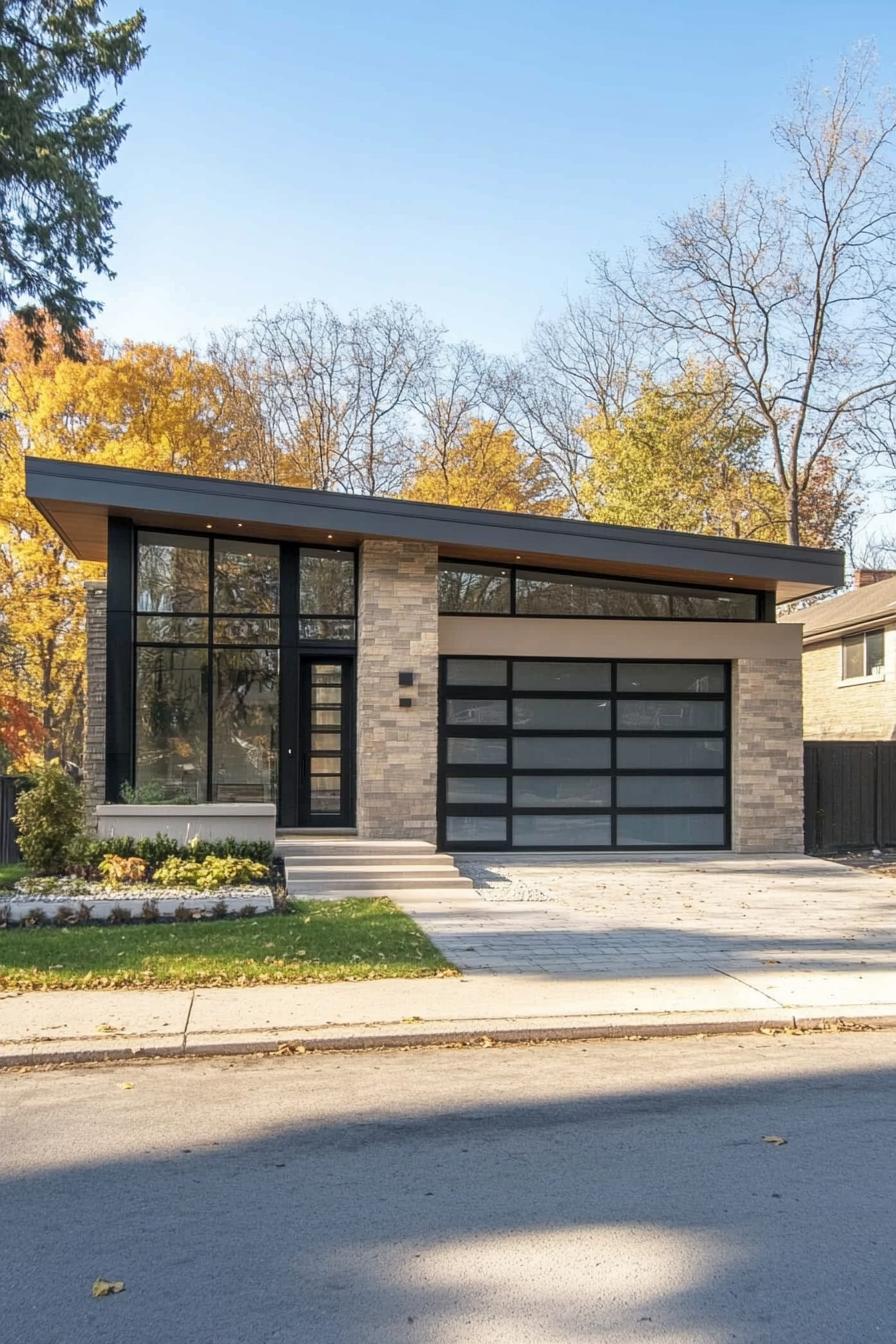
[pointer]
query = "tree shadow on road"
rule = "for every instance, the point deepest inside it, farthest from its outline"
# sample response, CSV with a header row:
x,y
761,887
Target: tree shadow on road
x,y
646,1213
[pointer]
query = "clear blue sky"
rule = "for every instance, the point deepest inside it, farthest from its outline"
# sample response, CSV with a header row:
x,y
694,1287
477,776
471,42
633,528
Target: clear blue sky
x,y
463,156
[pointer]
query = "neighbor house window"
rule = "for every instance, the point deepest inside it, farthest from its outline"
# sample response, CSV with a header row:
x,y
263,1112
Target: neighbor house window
x,y
472,589
863,655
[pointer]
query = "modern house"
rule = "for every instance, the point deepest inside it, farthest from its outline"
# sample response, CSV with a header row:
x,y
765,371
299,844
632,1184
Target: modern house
x,y
849,661
477,679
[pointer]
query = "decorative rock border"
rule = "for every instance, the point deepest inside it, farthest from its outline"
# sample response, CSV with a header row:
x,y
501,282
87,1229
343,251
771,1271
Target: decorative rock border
x,y
17,905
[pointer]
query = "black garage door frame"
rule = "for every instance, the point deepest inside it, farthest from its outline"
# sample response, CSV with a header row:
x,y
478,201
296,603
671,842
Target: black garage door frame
x,y
614,734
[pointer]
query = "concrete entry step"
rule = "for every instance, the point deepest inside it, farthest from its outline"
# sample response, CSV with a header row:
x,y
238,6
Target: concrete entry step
x,y
305,832
335,867
381,860
316,887
349,850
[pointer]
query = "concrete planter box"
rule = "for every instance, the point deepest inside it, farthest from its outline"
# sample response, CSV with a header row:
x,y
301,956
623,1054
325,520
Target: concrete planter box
x,y
20,907
208,821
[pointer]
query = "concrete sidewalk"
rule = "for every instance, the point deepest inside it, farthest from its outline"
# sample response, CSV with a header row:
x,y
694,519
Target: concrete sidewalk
x,y
77,1026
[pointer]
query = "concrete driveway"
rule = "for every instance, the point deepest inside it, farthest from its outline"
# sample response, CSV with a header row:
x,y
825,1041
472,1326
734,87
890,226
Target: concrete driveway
x,y
779,930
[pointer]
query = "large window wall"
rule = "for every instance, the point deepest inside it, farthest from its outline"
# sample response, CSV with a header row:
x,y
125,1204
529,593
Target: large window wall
x,y
216,621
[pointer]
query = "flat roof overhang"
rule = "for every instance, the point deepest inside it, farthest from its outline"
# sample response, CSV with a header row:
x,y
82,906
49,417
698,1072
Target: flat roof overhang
x,y
77,498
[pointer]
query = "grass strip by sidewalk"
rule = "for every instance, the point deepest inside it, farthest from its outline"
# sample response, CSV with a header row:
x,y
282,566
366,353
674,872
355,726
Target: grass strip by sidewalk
x,y
317,942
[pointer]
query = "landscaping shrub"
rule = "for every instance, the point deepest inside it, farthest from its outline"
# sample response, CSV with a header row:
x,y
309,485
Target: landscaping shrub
x,y
116,869
50,820
156,849
154,793
212,872
150,912
119,914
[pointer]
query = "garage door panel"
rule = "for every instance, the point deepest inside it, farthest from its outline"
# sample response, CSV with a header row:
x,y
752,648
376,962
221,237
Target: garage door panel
x,y
668,790
671,753
692,678
639,830
561,753
561,676
583,754
671,716
562,791
561,712
477,751
555,831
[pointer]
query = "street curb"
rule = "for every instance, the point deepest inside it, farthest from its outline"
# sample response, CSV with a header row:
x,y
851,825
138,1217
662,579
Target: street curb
x,y
287,1042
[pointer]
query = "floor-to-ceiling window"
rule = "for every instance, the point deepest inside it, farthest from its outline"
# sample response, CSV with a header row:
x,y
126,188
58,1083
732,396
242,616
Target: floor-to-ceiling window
x,y
207,669
223,627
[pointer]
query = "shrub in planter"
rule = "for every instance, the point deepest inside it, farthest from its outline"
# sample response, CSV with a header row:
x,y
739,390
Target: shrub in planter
x,y
50,819
116,869
176,872
211,873
156,849
119,914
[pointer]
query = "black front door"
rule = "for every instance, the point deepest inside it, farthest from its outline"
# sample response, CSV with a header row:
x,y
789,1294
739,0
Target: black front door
x,y
326,741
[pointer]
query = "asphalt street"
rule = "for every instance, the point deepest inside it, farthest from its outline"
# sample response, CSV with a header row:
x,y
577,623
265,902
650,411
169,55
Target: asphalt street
x,y
611,1191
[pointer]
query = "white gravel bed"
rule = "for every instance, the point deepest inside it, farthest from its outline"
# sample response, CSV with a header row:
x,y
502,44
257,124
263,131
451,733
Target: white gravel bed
x,y
497,883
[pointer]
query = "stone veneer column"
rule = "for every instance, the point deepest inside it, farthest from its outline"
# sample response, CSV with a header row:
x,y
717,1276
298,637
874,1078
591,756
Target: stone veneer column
x,y
398,631
94,763
767,756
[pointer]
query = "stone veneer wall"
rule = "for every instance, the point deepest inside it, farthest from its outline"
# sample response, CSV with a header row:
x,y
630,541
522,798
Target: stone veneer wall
x,y
857,710
94,768
767,756
398,631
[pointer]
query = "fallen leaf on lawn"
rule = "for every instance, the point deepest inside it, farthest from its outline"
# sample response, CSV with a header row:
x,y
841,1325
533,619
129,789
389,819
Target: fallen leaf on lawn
x,y
105,1287
774,1139
125,1087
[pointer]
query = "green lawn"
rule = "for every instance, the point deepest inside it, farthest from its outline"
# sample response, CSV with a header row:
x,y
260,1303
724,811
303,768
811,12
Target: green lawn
x,y
317,941
10,874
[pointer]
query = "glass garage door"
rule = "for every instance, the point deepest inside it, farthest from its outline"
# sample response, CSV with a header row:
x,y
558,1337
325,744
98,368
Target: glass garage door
x,y
576,754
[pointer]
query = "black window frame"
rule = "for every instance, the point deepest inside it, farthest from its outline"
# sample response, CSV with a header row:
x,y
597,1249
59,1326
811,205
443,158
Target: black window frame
x,y
290,646
764,608
613,771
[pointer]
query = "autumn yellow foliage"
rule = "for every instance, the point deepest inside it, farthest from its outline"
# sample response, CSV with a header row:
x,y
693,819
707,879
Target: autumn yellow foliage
x,y
688,457
484,468
142,406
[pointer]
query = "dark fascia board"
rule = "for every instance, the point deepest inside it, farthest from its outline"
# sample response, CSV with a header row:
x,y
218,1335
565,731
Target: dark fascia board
x,y
208,499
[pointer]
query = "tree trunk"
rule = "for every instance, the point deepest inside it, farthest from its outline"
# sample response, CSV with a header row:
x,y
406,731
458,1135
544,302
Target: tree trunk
x,y
792,515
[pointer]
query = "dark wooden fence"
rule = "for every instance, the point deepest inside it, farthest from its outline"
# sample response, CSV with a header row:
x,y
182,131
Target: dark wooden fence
x,y
850,796
9,788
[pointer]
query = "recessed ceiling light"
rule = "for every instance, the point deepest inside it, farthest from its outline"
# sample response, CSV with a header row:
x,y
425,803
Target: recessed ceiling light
x,y
329,536
209,526
239,524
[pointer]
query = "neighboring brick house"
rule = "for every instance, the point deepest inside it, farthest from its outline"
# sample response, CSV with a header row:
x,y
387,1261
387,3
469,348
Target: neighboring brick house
x,y
849,661
415,674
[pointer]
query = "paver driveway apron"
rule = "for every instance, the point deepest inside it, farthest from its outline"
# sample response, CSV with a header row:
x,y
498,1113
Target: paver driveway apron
x,y
786,927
